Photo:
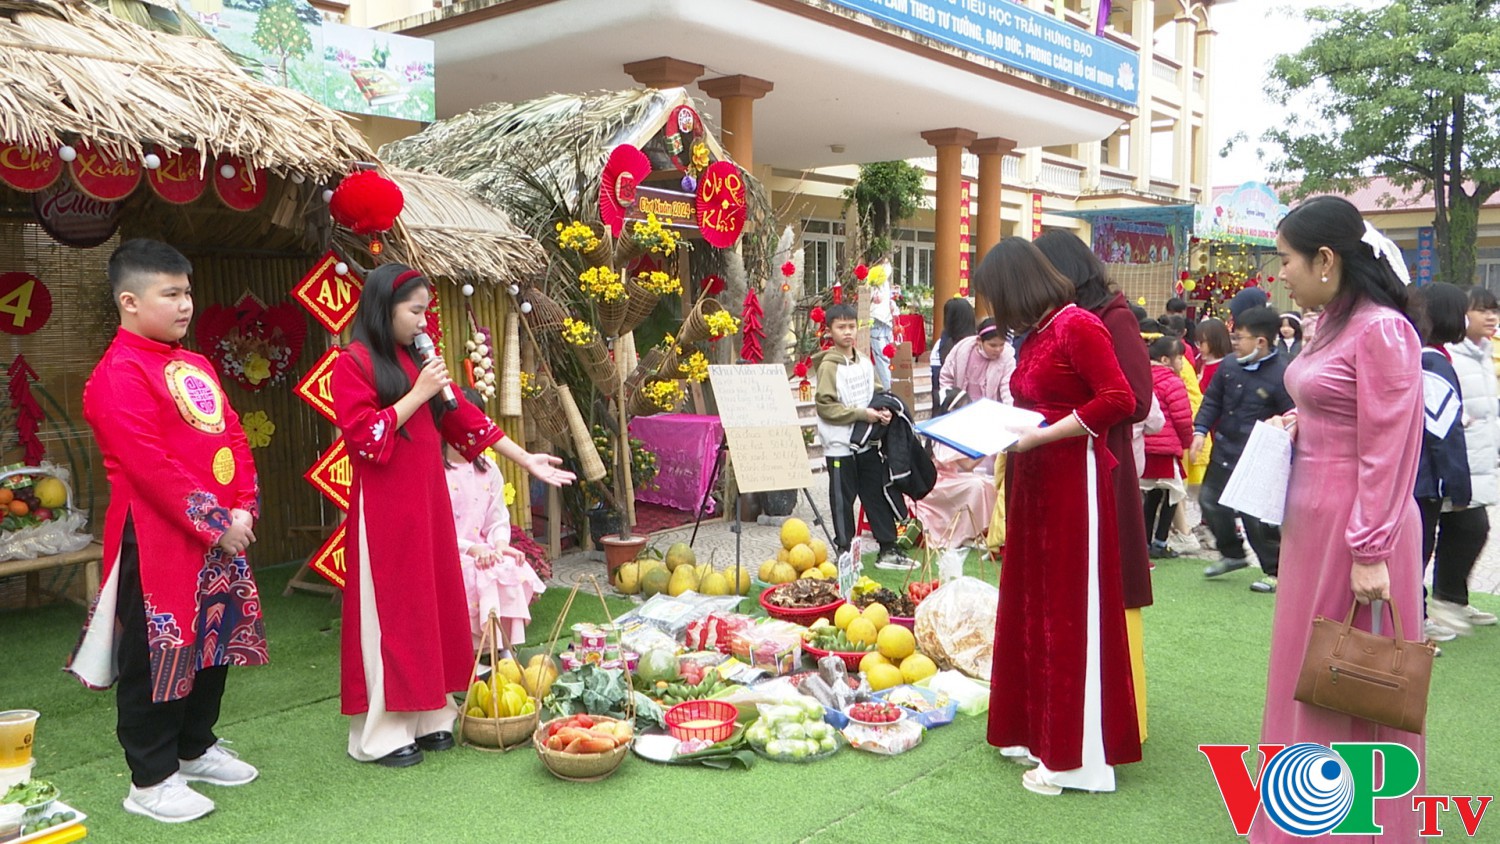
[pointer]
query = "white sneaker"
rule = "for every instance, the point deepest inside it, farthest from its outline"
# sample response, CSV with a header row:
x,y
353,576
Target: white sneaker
x,y
1478,617
1449,615
1437,632
218,766
170,801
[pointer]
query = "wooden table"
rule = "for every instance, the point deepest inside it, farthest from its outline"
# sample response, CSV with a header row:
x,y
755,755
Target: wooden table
x,y
91,556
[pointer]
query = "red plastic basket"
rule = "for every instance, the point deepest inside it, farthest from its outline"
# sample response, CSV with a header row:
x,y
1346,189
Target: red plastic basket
x,y
803,616
851,658
909,622
702,710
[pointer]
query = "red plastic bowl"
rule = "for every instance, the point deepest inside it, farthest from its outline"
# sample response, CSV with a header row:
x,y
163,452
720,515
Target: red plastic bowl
x,y
909,622
702,710
851,658
803,617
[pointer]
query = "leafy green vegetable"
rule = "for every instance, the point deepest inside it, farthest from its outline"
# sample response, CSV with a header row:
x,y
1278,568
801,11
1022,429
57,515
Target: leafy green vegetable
x,y
600,691
30,793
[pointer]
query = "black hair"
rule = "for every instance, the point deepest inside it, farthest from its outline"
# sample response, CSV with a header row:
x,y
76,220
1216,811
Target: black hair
x,y
1078,264
1333,222
480,464
958,323
1483,299
1295,321
1175,324
988,326
372,328
1176,305
1020,284
1439,311
1260,322
140,257
1151,326
1215,334
1164,347
1140,313
839,311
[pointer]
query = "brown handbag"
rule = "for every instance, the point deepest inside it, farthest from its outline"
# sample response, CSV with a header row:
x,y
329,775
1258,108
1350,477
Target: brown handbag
x,y
1368,676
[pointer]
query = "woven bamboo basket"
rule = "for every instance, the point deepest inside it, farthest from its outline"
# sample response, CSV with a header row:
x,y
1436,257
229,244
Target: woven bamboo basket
x,y
510,368
494,733
582,439
695,327
601,255
641,303
545,411
579,767
612,315
545,315
594,358
648,366
640,404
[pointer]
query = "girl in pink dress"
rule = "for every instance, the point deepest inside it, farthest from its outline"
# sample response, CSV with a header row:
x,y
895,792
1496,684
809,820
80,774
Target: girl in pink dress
x,y
497,578
1352,531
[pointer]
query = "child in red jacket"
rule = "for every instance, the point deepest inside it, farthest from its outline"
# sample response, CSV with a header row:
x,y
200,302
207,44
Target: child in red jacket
x,y
1161,479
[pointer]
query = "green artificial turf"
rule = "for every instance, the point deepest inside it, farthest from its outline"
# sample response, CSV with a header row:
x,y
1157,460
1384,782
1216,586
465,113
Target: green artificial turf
x,y
1206,644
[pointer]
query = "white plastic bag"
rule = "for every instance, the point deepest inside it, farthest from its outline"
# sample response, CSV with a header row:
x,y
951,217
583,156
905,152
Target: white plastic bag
x,y
956,626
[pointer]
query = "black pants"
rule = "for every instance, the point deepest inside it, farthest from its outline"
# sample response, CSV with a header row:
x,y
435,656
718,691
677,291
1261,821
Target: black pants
x,y
1264,538
155,735
1458,537
1159,513
861,476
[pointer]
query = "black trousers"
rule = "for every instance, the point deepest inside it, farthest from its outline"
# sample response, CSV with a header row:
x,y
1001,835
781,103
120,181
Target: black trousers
x,y
1264,538
1457,537
155,735
861,476
1159,514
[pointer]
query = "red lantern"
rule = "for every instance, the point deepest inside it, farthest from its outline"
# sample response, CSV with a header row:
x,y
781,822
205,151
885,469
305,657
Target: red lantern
x,y
817,315
366,202
838,294
788,268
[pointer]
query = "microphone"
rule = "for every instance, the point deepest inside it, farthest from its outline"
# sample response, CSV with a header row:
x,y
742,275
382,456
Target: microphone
x,y
425,353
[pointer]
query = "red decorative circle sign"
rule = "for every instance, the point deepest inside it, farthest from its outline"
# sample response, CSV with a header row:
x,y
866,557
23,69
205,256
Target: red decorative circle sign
x,y
25,303
102,176
28,170
721,204
73,218
243,189
180,178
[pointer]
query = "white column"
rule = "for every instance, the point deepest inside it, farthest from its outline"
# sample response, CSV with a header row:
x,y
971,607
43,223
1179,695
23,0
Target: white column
x,y
1140,128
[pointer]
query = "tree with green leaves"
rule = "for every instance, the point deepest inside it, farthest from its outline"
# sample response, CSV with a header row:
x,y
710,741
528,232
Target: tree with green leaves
x,y
280,31
887,193
1407,90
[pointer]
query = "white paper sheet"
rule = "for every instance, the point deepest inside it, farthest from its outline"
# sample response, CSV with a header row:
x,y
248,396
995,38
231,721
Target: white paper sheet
x,y
1257,486
980,428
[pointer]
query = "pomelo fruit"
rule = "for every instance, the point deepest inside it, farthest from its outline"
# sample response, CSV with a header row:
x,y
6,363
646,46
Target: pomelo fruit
x,y
861,631
917,667
794,532
872,659
884,677
765,571
684,579
50,492
714,584
680,554
829,570
628,579
743,576
782,573
510,670
811,574
896,642
845,614
655,582
820,550
877,615
801,557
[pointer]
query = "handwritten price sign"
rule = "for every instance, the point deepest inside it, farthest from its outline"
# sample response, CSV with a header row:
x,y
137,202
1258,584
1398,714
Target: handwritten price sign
x,y
721,204
25,303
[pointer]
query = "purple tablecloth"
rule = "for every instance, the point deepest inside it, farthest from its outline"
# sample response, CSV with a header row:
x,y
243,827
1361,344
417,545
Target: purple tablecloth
x,y
685,447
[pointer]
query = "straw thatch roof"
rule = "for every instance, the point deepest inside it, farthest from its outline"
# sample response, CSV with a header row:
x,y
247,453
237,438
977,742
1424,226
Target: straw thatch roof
x,y
555,146
71,72
450,234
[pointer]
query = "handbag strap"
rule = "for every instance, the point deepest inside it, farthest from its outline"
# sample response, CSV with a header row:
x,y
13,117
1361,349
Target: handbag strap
x,y
1399,655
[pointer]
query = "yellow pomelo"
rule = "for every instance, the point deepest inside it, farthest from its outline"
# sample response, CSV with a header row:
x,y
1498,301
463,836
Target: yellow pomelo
x,y
896,642
819,549
781,555
50,492
884,677
829,570
845,614
872,659
680,554
765,570
714,584
782,573
743,575
878,615
684,579
538,679
703,570
794,532
655,582
812,574
510,670
628,579
861,631
917,667
801,557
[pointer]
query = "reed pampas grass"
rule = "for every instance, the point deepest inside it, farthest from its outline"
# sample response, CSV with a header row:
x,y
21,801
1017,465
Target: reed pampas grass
x,y
777,304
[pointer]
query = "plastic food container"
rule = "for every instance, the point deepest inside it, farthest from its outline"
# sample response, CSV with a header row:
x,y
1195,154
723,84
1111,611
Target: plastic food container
x,y
935,717
10,820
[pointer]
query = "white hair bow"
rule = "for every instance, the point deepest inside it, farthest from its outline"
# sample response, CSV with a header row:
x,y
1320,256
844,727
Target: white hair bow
x,y
1384,247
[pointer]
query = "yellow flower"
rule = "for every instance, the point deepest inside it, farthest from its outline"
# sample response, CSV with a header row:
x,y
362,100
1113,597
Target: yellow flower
x,y
700,155
659,283
578,332
530,388
695,368
258,428
722,324
510,493
876,276
654,236
666,395
257,368
577,237
602,284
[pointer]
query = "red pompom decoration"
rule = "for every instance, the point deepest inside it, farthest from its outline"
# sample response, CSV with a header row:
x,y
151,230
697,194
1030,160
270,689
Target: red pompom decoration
x,y
817,315
366,203
889,352
1185,275
712,285
788,268
800,370
861,272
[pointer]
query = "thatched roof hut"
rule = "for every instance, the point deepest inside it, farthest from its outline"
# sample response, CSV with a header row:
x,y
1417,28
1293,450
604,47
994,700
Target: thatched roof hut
x,y
70,71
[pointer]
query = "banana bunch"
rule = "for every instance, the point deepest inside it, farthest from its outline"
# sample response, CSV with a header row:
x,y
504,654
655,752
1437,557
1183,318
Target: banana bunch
x,y
498,698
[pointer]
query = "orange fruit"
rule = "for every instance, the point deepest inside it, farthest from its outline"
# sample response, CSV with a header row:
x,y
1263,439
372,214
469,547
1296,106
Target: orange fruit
x,y
6,496
18,507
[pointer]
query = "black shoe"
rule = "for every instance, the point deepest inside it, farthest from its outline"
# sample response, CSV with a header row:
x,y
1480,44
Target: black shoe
x,y
433,742
1160,551
403,758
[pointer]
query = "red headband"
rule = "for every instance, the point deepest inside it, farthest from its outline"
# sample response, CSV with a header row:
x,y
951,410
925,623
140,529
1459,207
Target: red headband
x,y
404,278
